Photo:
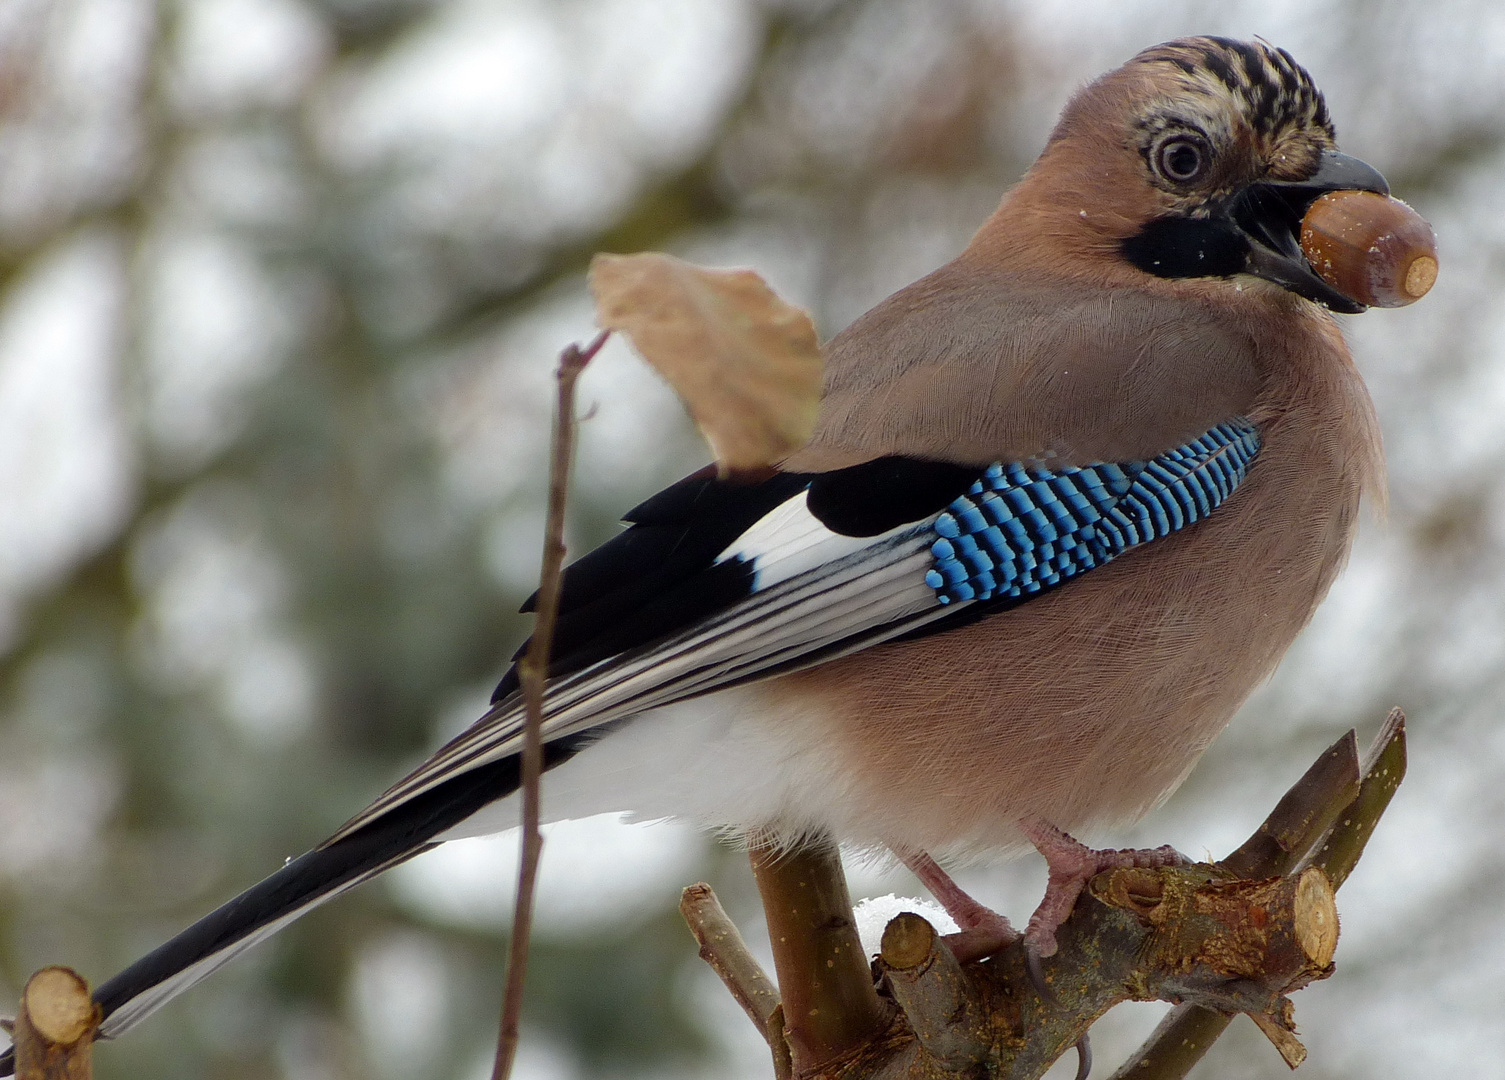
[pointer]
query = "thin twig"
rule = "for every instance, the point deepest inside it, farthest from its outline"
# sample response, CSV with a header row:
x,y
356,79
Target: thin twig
x,y
1292,1052
722,947
533,673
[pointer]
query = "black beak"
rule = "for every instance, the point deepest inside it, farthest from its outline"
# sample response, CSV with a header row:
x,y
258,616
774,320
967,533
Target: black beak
x,y
1269,214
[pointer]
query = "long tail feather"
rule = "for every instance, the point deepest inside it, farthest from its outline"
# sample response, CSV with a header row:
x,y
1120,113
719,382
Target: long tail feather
x,y
299,887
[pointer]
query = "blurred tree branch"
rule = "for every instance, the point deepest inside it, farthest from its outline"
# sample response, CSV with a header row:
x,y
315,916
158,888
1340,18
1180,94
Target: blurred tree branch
x,y
1217,939
673,204
183,829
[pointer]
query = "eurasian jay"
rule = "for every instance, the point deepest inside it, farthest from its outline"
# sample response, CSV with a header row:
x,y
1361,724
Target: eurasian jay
x,y
1070,498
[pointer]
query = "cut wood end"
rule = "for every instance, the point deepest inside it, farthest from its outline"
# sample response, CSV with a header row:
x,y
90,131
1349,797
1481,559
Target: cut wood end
x,y
1421,276
907,941
57,1003
1316,917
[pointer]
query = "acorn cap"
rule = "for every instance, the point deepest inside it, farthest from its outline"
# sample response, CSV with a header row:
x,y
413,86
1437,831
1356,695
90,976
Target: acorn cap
x,y
1371,248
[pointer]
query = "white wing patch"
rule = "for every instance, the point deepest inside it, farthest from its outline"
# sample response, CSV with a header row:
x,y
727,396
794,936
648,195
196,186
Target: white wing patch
x,y
789,540
817,595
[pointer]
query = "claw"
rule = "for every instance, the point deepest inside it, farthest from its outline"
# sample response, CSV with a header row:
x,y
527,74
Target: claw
x,y
1035,969
1083,1057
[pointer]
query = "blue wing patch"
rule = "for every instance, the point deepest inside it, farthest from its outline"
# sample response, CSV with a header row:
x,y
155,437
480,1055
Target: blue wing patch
x,y
1018,531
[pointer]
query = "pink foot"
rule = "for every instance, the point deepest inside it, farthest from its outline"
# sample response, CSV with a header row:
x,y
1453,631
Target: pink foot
x,y
983,931
1072,864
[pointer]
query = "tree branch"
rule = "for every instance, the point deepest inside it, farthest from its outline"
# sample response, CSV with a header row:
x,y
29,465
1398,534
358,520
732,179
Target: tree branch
x,y
1303,815
1188,1031
1218,939
1384,769
722,947
949,1019
533,673
831,1007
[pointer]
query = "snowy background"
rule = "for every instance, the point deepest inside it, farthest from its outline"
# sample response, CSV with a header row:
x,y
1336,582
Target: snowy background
x,y
281,284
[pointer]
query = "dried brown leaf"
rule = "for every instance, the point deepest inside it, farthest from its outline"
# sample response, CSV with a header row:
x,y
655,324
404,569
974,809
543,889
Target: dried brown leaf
x,y
746,363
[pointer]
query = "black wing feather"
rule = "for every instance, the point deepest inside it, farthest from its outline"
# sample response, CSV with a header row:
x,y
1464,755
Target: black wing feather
x,y
660,576
882,494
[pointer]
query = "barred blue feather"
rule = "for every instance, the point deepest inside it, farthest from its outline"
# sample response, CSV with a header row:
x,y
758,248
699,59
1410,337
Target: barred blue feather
x,y
1019,530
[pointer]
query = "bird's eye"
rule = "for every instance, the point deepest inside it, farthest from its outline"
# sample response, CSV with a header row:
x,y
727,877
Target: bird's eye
x,y
1182,160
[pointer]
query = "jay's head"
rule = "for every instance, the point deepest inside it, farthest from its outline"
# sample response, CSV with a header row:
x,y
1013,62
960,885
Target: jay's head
x,y
1195,160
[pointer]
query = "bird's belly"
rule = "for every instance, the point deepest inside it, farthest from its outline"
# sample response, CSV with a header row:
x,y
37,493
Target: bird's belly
x,y
730,762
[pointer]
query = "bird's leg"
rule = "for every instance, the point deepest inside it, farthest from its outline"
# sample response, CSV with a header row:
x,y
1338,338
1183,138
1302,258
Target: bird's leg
x,y
983,930
1072,864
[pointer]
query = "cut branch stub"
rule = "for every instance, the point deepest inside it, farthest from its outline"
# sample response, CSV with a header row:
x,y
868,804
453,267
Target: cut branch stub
x,y
1186,1033
1306,813
1315,917
55,1027
1271,935
1169,933
937,997
1219,942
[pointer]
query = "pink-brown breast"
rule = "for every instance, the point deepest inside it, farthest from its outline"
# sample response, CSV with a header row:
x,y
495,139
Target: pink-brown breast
x,y
1089,705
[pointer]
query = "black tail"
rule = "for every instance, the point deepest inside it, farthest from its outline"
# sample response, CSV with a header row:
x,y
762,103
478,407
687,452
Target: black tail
x,y
408,829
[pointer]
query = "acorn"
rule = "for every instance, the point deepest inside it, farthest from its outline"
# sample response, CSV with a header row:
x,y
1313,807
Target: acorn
x,y
1371,248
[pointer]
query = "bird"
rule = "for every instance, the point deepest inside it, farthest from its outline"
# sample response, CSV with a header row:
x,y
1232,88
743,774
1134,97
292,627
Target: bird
x,y
1069,499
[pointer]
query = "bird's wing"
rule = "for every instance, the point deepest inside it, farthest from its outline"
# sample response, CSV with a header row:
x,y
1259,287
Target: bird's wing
x,y
715,584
